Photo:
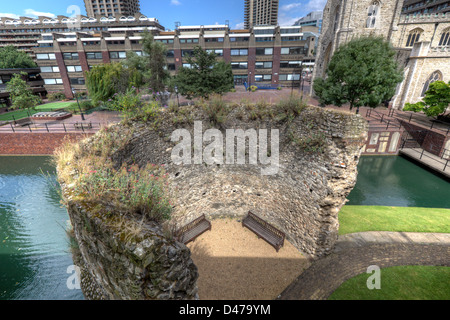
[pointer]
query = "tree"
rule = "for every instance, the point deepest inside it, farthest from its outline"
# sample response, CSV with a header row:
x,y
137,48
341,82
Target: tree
x,y
152,64
105,80
362,72
11,58
435,102
205,76
20,93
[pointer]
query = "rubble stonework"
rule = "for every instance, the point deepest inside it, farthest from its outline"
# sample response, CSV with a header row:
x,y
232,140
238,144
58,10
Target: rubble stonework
x,y
302,199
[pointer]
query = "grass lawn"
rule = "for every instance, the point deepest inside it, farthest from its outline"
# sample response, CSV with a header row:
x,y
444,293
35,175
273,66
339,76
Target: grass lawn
x,y
19,114
400,219
399,283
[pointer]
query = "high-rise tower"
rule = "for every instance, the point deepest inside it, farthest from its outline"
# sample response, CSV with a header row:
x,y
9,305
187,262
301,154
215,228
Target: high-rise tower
x,y
261,12
111,7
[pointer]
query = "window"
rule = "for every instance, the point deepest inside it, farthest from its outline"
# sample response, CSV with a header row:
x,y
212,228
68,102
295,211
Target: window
x,y
45,56
49,69
171,67
239,52
118,55
165,40
218,52
70,56
239,39
290,30
336,18
53,81
79,81
213,39
170,54
293,50
94,55
239,65
413,37
289,77
194,40
263,77
264,51
290,64
435,76
74,69
291,38
264,39
263,65
445,38
372,15
187,53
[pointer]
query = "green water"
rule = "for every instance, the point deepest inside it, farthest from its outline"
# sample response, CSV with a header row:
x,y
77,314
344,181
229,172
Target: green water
x,y
398,182
34,249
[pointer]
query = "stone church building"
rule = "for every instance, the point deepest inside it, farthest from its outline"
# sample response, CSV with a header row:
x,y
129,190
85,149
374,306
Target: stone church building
x,y
422,41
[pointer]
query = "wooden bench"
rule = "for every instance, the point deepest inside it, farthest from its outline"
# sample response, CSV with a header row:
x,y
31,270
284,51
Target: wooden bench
x,y
264,230
82,126
23,122
192,230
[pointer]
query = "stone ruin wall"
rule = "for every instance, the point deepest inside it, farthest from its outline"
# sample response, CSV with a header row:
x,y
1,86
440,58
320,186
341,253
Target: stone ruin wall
x,y
303,200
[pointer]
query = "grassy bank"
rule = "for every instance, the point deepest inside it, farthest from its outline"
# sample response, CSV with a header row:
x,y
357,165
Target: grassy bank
x,y
19,114
399,283
400,219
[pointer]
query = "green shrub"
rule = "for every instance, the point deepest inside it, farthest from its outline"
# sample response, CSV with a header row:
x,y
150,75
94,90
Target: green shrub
x,y
216,109
134,190
56,96
292,106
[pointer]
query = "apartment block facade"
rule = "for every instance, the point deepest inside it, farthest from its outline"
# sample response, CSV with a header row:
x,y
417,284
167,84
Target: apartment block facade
x,y
270,55
260,13
24,32
420,7
112,7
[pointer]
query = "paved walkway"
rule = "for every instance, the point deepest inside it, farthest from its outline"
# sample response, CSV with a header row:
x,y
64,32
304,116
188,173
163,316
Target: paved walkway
x,y
438,164
354,253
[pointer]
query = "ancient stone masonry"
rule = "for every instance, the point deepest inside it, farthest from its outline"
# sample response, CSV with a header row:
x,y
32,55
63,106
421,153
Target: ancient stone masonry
x,y
302,198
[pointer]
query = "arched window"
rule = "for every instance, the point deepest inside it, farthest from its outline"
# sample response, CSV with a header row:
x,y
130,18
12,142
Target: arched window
x,y
445,38
336,17
413,37
372,15
435,76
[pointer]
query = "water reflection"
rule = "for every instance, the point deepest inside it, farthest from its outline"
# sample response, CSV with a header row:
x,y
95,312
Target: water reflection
x,y
395,181
34,251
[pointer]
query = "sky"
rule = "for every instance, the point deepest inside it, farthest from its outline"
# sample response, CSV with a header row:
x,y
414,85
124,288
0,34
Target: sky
x,y
168,12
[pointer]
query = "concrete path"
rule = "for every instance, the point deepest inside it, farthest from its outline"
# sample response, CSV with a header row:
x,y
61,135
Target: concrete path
x,y
440,165
354,253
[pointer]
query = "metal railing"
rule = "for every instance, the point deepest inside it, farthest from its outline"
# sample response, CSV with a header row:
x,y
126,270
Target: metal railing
x,y
383,118
35,127
419,120
444,154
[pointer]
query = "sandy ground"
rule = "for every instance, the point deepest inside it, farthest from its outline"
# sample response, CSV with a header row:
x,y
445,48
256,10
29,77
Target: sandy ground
x,y
235,265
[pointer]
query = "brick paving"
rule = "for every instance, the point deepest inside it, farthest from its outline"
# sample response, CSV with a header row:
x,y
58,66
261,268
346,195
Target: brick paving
x,y
355,253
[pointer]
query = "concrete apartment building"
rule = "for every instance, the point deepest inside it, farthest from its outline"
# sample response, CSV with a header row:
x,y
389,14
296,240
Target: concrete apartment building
x,y
24,32
112,7
418,7
271,55
260,13
314,18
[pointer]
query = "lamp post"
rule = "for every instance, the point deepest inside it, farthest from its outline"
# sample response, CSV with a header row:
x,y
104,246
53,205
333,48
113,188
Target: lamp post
x,y
81,112
178,99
